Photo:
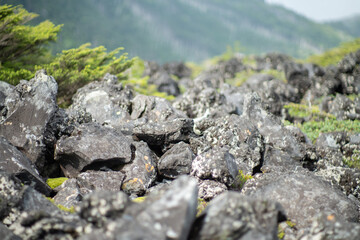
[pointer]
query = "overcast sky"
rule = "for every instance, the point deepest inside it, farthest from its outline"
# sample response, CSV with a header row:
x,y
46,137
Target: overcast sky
x,y
322,10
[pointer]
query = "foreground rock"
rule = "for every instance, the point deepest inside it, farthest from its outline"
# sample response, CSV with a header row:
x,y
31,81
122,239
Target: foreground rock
x,y
233,216
302,195
91,146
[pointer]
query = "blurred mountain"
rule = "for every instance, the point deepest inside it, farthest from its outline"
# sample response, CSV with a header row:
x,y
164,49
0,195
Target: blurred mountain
x,y
188,30
350,26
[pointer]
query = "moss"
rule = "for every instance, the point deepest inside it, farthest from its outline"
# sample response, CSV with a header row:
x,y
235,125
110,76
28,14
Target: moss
x,y
201,206
61,207
313,128
240,180
281,233
55,182
353,161
352,97
139,199
290,223
303,111
249,61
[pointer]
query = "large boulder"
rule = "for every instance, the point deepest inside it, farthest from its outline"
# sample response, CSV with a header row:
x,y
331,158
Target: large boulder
x,y
29,111
233,216
15,162
92,147
302,194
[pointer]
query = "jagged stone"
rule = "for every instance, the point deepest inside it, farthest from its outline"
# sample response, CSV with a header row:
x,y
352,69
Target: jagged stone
x,y
15,162
141,173
69,194
209,189
164,83
233,216
101,180
302,194
179,69
217,164
30,110
92,147
328,226
176,161
107,101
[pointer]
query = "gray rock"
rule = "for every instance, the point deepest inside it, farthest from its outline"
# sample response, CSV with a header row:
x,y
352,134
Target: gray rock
x,y
10,188
141,173
176,161
107,101
241,137
273,132
209,189
15,162
31,200
29,113
168,216
341,107
217,164
331,227
298,76
68,194
165,83
99,207
6,234
233,216
328,146
92,146
178,69
101,180
302,195
275,61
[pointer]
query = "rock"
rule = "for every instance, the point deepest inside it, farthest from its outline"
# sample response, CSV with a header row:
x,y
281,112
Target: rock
x,y
233,216
217,164
6,234
176,161
99,207
341,107
10,188
165,83
198,103
5,90
209,189
302,195
15,162
328,226
91,147
30,111
168,216
69,193
31,200
164,133
234,96
179,69
328,146
241,137
101,180
107,101
298,76
41,225
141,173
273,132
275,61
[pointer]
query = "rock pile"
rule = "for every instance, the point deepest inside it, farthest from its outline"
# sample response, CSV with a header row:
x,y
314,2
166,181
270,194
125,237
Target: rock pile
x,y
214,143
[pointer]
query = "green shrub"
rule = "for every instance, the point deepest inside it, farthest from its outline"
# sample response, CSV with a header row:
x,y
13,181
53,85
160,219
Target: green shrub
x,y
22,46
333,56
240,180
76,67
303,111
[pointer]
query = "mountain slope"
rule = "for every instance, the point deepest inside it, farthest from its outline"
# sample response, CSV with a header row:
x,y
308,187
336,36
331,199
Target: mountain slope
x,y
350,26
193,30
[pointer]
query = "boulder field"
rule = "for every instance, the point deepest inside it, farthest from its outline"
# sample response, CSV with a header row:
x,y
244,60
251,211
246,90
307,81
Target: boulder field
x,y
217,162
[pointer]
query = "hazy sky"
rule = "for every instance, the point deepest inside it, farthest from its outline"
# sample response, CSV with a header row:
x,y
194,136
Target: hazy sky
x,y
322,10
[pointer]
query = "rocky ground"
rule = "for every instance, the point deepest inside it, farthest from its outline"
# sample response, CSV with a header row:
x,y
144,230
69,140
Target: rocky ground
x,y
215,163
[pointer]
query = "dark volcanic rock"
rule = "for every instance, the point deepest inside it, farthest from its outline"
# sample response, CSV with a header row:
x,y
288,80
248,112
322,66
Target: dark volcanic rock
x,y
29,112
6,234
69,193
141,173
298,76
302,194
341,107
209,189
100,180
176,161
92,146
233,216
107,101
15,162
178,69
217,164
165,83
331,227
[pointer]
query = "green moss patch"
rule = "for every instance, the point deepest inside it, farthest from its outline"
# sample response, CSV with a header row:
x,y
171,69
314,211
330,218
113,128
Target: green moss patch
x,y
55,182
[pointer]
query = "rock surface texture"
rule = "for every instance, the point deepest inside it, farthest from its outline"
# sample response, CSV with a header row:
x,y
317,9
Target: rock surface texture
x,y
220,161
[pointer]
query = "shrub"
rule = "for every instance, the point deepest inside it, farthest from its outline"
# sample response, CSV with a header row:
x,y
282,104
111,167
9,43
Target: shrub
x,y
22,46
